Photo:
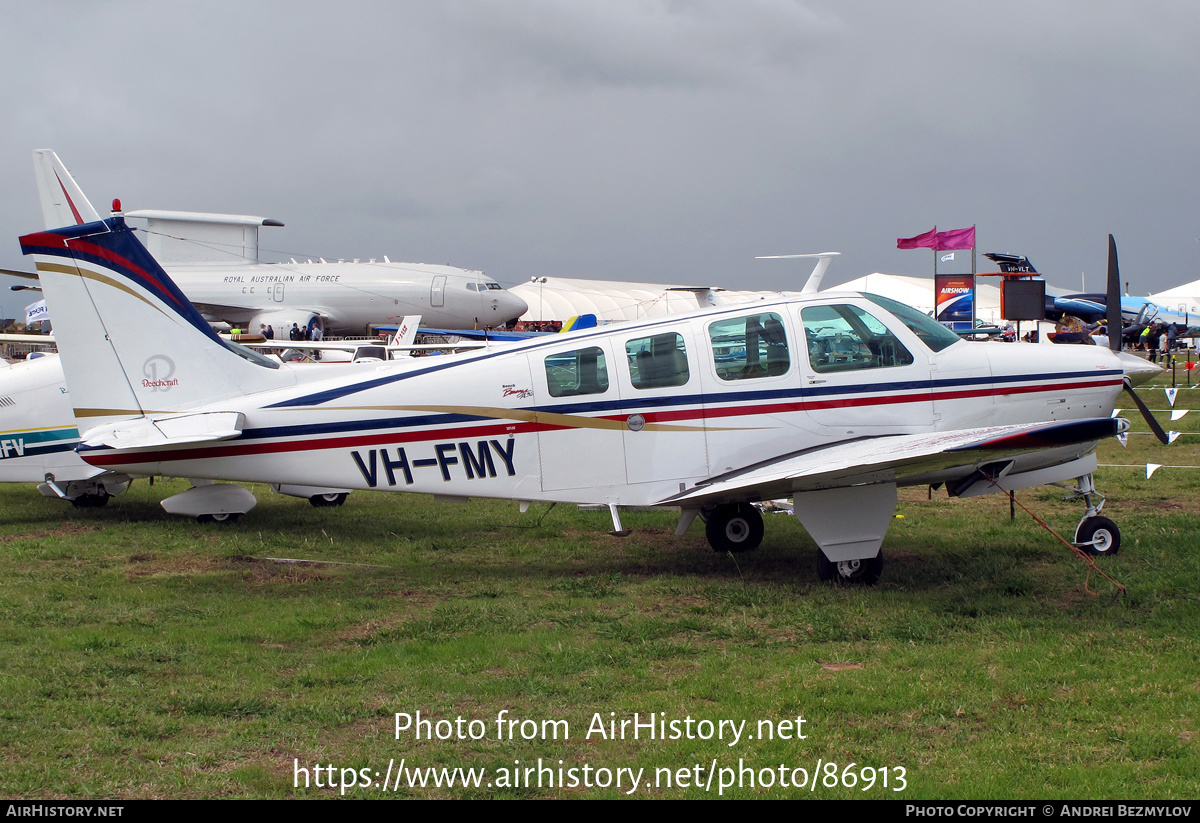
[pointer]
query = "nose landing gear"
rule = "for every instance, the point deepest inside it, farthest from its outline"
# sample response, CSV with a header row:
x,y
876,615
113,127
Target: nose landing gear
x,y
1094,535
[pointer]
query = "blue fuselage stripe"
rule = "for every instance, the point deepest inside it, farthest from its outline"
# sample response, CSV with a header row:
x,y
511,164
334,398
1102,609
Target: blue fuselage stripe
x,y
677,401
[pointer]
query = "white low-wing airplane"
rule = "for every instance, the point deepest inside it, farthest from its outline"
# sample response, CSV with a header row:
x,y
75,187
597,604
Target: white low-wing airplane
x,y
835,399
214,259
39,435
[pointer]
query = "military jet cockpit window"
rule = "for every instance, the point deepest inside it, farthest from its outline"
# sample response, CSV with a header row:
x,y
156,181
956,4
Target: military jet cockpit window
x,y
570,373
749,347
657,362
845,337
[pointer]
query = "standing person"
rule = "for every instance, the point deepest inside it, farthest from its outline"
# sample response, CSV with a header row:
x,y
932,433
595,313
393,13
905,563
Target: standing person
x,y
295,333
269,333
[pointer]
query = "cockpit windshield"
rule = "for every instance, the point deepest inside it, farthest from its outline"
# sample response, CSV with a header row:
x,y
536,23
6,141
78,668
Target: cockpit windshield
x,y
932,333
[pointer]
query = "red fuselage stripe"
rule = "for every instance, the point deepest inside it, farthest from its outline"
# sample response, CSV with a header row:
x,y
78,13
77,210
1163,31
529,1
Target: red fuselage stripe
x,y
107,458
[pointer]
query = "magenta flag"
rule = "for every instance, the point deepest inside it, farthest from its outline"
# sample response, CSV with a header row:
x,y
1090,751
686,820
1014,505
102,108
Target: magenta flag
x,y
928,240
955,239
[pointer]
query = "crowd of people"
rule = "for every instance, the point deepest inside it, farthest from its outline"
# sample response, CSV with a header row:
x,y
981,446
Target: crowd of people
x,y
1158,339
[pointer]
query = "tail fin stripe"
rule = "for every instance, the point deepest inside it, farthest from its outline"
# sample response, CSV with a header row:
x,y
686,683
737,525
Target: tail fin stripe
x,y
88,274
114,249
104,257
70,202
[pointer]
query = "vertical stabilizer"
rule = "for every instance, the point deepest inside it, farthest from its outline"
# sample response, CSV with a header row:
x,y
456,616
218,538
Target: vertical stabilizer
x,y
131,344
63,202
813,284
406,331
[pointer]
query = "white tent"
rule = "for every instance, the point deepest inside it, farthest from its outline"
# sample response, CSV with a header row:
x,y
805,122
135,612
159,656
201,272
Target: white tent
x,y
558,298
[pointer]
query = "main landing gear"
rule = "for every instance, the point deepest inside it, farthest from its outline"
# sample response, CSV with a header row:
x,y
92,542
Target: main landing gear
x,y
1095,535
734,527
855,572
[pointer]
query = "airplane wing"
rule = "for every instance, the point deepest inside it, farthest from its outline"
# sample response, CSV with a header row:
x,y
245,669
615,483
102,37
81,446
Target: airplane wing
x,y
908,459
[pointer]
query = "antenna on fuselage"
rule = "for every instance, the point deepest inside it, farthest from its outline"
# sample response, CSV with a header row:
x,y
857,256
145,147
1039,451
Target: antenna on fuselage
x,y
813,284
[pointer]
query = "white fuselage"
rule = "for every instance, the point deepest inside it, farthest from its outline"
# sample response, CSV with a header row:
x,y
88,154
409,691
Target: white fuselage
x,y
635,414
348,297
38,432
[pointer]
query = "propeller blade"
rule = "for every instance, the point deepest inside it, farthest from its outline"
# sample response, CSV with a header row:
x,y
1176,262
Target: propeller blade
x,y
1113,297
1147,416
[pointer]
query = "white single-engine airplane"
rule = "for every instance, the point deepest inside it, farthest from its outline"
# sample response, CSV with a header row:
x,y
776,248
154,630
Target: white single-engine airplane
x,y
214,259
835,399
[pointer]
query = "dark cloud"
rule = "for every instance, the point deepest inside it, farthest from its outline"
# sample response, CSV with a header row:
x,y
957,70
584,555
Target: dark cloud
x,y
628,139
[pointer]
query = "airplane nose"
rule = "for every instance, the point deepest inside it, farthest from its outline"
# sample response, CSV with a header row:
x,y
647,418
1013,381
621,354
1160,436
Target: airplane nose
x,y
1138,371
510,307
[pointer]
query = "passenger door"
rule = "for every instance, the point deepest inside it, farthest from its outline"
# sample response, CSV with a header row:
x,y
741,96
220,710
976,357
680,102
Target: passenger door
x,y
860,377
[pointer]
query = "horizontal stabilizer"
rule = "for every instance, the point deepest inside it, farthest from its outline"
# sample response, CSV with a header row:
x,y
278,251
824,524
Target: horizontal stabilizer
x,y
144,432
174,237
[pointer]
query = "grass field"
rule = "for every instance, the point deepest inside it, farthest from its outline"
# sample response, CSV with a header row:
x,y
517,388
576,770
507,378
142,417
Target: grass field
x,y
147,656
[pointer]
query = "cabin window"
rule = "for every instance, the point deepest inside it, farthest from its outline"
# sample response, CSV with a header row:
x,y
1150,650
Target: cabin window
x,y
749,347
572,373
657,362
845,338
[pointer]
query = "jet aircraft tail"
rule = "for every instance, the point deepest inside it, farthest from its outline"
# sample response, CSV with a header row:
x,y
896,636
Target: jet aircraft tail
x,y
131,343
63,202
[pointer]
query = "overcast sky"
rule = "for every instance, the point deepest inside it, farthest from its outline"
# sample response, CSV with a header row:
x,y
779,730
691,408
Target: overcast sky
x,y
642,140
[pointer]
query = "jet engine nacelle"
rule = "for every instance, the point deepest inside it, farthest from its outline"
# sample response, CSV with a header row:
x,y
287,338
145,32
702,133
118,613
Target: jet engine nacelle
x,y
281,321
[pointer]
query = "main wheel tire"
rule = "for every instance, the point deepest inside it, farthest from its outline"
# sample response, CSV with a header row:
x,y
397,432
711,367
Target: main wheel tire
x,y
852,572
91,501
222,517
322,500
734,527
1098,536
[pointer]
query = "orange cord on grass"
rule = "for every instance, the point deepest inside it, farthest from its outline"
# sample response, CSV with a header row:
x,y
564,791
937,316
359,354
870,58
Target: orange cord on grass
x,y
1080,553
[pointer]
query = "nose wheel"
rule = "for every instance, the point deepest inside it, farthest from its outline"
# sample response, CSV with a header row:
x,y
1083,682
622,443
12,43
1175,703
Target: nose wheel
x,y
1094,535
1098,536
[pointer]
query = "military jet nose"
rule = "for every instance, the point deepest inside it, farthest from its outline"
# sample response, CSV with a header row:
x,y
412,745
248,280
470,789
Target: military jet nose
x,y
1137,370
509,307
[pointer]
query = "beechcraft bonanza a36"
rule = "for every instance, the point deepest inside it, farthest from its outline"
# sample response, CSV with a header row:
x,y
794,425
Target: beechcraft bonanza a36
x,y
213,258
834,399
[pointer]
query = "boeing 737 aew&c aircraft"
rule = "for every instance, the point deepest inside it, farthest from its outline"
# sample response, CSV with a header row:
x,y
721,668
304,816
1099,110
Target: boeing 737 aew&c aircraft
x,y
214,260
834,399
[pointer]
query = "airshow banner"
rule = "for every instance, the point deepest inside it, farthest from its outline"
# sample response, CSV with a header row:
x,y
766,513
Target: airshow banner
x,y
955,299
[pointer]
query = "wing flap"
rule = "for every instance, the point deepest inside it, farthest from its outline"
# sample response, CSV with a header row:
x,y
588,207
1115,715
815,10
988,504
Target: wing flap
x,y
905,459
